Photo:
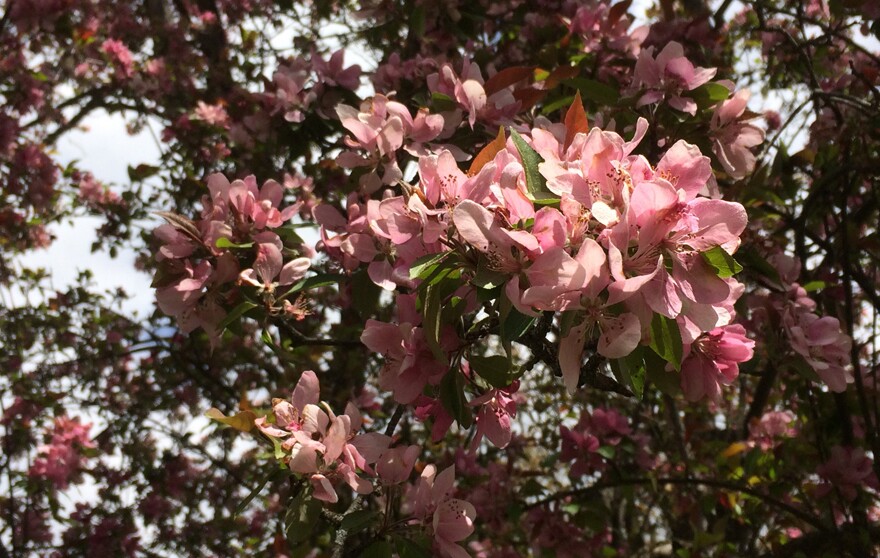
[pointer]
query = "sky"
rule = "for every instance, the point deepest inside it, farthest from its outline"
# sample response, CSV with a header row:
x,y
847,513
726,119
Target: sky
x,y
103,146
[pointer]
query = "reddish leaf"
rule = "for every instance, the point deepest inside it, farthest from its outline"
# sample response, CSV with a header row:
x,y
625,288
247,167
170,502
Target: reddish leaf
x,y
528,97
559,75
575,120
617,11
488,153
507,77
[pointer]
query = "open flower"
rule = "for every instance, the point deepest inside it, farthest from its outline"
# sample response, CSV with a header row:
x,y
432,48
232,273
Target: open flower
x,y
713,359
668,76
451,520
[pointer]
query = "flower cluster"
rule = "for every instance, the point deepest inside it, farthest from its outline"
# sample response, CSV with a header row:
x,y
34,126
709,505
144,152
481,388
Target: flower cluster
x,y
450,520
819,340
767,432
589,443
61,459
329,449
202,259
847,470
568,219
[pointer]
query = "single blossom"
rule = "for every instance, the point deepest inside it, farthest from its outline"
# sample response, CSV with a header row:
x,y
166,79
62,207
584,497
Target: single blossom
x,y
668,76
449,519
713,359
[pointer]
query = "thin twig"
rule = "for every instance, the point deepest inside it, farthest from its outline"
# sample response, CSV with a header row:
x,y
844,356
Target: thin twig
x,y
725,485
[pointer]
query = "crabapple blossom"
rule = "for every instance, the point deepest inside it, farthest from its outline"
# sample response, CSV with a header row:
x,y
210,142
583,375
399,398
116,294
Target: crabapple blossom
x,y
734,136
668,76
767,431
847,470
61,459
713,360
449,519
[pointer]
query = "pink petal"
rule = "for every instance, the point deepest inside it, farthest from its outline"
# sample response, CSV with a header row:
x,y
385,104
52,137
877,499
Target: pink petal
x,y
293,271
454,520
620,335
571,348
307,391
322,489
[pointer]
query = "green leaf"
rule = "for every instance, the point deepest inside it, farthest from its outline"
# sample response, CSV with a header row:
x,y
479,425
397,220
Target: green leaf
x,y
535,181
552,106
417,22
486,278
442,103
802,367
606,451
358,520
656,373
407,548
813,286
495,369
274,473
453,399
243,308
666,340
267,338
709,93
278,449
516,324
432,308
596,91
224,242
630,371
439,272
423,266
756,262
368,293
141,172
301,517
379,549
485,295
313,282
722,262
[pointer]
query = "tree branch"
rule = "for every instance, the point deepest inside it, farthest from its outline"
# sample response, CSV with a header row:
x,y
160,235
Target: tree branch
x,y
724,485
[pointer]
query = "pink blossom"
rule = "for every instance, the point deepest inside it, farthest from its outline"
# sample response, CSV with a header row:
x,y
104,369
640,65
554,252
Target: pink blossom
x,y
120,56
770,428
332,72
467,89
268,271
668,76
395,464
581,447
713,359
378,129
823,345
733,135
560,282
291,95
496,409
847,470
409,363
321,445
451,520
427,408
61,460
214,115
96,194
